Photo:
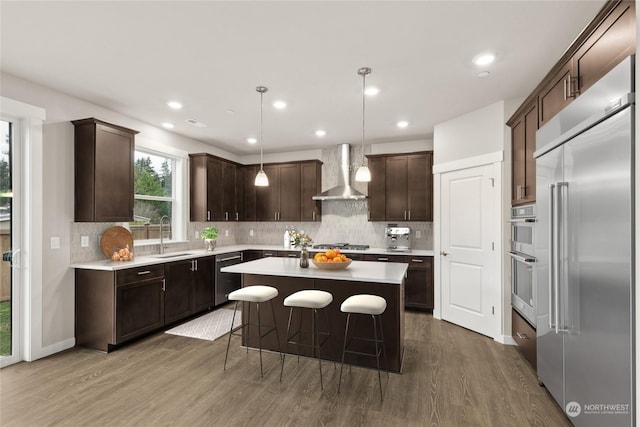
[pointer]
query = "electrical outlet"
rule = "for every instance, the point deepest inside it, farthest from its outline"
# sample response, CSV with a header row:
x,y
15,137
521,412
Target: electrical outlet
x,y
251,233
55,243
226,233
418,234
84,241
196,235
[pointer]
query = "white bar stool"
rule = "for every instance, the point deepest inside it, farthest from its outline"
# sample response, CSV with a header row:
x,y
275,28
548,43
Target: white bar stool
x,y
314,300
374,306
253,294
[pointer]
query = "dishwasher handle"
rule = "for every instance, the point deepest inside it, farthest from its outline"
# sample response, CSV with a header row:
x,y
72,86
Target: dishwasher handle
x,y
231,258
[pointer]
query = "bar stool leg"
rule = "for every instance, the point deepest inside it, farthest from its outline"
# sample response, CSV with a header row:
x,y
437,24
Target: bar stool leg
x,y
286,342
344,347
259,337
375,340
273,313
233,319
384,348
248,306
317,345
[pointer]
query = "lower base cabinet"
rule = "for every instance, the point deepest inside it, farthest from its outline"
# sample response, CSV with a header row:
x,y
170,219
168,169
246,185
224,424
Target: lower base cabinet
x,y
525,336
419,283
189,288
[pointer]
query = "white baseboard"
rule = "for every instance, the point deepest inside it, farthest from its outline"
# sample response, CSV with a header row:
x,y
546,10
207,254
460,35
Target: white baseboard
x,y
505,339
54,348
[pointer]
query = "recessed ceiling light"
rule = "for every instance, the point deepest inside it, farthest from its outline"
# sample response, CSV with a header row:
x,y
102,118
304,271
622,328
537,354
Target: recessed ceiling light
x,y
484,59
280,104
371,91
168,125
196,123
230,111
483,74
320,133
402,124
252,140
175,105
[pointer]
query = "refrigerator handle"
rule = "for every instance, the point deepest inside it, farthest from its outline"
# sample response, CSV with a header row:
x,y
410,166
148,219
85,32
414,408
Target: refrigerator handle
x,y
552,255
562,284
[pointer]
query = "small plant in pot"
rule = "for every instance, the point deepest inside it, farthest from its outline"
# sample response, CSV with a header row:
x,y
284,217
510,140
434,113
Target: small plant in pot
x,y
209,235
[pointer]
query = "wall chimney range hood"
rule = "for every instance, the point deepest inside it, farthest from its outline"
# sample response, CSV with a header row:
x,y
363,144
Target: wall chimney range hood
x,y
342,191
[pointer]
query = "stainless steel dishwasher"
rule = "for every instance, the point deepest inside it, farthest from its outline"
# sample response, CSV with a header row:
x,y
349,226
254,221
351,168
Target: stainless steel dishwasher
x,y
226,283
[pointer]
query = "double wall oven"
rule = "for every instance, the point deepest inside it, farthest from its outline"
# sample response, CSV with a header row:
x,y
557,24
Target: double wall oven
x,y
523,293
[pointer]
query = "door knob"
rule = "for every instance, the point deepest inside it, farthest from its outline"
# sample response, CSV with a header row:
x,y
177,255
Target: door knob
x,y
443,253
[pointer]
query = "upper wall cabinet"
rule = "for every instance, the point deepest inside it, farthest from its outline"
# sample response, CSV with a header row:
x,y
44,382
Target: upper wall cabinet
x,y
103,173
212,189
523,165
401,187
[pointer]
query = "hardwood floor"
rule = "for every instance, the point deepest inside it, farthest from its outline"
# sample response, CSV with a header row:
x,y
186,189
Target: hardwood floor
x,y
452,377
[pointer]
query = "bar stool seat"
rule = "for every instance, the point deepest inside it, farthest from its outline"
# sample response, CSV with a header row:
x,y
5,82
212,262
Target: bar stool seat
x,y
314,300
369,305
257,293
253,294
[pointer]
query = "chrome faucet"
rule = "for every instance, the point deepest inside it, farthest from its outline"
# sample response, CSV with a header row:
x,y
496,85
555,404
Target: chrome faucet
x,y
162,220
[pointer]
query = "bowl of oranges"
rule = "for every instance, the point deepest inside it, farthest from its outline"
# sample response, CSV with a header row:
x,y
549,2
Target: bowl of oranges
x,y
331,259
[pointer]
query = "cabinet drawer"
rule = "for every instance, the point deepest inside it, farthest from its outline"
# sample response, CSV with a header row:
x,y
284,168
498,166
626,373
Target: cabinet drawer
x,y
130,275
525,337
418,261
386,258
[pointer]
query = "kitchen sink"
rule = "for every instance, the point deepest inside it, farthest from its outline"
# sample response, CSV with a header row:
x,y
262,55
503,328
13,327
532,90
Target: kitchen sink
x,y
173,255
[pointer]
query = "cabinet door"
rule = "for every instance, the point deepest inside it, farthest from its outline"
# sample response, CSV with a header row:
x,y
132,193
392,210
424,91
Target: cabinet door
x,y
114,175
557,94
419,283
518,149
289,192
203,285
267,197
376,189
248,211
177,295
229,211
198,193
311,185
215,190
611,42
418,188
396,188
530,128
139,308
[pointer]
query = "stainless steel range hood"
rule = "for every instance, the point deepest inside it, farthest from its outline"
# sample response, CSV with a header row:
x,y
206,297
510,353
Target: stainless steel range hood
x,y
342,191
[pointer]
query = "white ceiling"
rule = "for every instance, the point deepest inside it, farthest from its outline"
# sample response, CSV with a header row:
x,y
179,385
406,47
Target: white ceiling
x,y
133,57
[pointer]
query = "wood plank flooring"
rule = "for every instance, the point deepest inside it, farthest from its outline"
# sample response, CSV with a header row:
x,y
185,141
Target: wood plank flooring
x,y
452,377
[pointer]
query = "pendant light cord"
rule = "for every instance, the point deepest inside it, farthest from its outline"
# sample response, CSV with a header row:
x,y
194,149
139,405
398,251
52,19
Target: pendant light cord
x,y
364,76
261,140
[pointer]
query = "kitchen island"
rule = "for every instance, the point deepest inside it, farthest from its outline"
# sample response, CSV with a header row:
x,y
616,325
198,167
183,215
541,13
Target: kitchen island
x,y
385,279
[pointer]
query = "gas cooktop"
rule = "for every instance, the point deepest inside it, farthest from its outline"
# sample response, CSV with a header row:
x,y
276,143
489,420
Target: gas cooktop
x,y
347,246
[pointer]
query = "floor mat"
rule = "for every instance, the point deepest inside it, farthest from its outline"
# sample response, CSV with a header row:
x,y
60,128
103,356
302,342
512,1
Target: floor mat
x,y
208,327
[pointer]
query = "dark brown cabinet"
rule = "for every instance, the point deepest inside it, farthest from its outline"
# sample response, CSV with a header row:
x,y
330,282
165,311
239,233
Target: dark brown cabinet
x,y
419,282
212,195
113,307
558,92
525,337
248,205
401,189
103,172
280,201
523,165
189,288
311,181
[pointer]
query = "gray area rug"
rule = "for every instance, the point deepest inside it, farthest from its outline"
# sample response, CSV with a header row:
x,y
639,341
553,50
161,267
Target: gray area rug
x,y
208,327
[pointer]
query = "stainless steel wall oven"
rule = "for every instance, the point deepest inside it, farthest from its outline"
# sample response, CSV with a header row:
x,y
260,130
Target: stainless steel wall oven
x,y
523,292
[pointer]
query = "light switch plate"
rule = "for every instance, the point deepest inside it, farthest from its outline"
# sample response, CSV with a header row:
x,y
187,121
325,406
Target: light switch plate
x,y
418,234
196,234
55,243
226,233
251,232
84,241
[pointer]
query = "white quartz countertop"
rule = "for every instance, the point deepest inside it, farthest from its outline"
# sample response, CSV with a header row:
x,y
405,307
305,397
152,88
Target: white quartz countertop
x,y
358,271
140,261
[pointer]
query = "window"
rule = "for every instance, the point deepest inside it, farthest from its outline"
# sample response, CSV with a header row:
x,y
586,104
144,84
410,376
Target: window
x,y
156,196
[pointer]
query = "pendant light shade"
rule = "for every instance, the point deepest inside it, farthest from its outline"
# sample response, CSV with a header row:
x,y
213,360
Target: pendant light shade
x,y
261,178
363,174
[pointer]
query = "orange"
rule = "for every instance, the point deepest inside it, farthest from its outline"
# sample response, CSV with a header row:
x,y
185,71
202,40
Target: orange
x,y
323,258
330,253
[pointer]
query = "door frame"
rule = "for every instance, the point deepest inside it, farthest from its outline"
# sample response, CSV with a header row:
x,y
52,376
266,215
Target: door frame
x,y
28,122
502,298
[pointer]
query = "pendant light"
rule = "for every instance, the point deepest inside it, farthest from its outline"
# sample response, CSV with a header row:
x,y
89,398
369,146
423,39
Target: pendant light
x,y
261,178
363,174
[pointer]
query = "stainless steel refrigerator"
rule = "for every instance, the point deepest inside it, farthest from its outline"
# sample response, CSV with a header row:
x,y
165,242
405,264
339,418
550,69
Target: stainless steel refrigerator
x,y
584,244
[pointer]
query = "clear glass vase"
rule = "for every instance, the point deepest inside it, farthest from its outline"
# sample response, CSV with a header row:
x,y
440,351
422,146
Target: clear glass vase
x,y
210,244
304,258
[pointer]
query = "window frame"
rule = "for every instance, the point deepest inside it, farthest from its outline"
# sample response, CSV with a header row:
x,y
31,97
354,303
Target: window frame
x,y
179,194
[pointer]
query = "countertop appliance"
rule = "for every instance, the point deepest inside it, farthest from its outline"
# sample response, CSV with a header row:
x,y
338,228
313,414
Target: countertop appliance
x,y
344,246
585,252
225,283
522,253
397,238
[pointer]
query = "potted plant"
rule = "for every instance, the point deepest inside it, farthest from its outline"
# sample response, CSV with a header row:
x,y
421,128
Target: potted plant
x,y
209,235
301,240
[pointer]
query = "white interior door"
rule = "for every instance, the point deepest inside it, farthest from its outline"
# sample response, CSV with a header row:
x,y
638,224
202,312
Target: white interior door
x,y
470,286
